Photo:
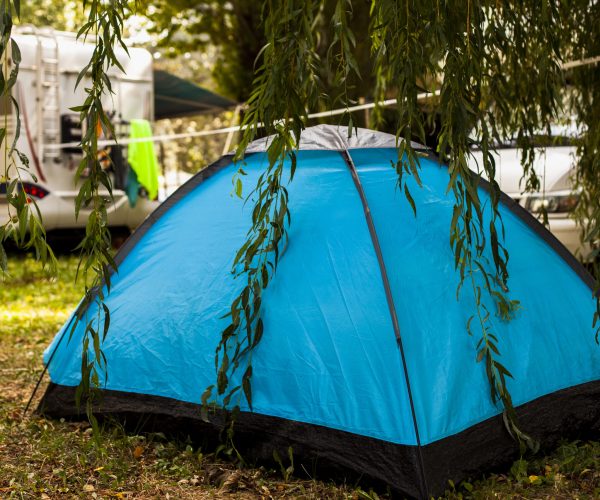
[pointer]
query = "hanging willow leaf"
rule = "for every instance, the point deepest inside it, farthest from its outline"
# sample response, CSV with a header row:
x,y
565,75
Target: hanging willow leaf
x,y
410,200
246,385
96,264
284,87
23,219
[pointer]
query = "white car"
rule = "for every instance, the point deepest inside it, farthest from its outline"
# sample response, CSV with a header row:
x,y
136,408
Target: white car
x,y
554,167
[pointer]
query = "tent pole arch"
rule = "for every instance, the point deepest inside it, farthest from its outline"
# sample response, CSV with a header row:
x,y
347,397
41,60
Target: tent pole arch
x,y
392,309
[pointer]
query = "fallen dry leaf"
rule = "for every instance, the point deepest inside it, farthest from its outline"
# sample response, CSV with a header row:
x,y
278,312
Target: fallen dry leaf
x,y
232,482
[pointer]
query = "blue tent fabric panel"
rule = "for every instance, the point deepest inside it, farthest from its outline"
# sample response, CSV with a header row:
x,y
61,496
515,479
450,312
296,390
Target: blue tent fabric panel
x,y
328,356
328,374
548,346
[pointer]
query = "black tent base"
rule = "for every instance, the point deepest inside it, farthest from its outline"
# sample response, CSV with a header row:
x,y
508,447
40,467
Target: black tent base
x,y
573,413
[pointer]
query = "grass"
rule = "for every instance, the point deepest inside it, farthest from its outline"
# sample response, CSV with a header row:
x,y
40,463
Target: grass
x,y
42,458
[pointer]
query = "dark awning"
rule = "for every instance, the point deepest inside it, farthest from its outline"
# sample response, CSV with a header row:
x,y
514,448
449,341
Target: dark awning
x,y
175,97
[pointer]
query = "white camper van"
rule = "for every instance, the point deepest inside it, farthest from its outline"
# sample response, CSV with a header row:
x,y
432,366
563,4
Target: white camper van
x,y
45,91
554,167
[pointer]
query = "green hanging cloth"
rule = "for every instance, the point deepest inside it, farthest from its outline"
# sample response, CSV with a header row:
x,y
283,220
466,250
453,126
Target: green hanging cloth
x,y
142,158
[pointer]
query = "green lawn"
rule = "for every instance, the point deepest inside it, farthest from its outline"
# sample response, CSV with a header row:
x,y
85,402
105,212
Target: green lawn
x,y
41,458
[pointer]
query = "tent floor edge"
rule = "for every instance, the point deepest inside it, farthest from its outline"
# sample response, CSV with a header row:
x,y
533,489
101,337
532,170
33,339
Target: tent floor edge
x,y
326,453
568,414
319,452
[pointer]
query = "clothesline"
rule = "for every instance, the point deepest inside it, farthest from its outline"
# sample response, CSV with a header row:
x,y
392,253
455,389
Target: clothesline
x,y
236,128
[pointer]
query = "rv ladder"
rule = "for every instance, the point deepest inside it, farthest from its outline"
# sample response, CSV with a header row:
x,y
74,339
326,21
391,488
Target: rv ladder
x,y
48,95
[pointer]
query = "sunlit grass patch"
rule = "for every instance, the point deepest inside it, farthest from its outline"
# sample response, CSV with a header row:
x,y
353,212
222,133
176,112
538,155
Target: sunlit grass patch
x,y
33,306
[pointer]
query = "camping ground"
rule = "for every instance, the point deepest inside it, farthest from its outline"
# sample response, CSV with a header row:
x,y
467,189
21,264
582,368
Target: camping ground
x,y
42,458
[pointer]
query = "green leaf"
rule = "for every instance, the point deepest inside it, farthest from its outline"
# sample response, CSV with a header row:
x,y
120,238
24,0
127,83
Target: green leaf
x,y
204,403
247,386
410,200
15,52
106,321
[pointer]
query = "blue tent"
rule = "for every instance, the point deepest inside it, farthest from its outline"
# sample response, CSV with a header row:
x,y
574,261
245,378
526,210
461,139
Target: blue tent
x,y
365,365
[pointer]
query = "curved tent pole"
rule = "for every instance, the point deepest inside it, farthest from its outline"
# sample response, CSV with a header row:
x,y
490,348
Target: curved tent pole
x,y
388,294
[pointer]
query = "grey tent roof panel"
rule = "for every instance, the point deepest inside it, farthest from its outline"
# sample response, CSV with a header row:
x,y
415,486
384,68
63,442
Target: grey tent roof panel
x,y
335,137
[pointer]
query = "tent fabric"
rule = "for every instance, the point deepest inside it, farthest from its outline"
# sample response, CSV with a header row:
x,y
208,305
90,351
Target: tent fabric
x,y
365,365
142,157
175,97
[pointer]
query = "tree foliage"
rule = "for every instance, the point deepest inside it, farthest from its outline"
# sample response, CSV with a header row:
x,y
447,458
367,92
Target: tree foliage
x,y
105,26
65,15
282,90
497,68
235,28
584,103
182,26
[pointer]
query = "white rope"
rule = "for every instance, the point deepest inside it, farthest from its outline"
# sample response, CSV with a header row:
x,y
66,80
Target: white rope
x,y
229,130
155,138
229,139
580,62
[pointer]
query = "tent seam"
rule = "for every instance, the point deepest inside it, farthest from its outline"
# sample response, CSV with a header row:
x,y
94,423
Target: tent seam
x,y
392,308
